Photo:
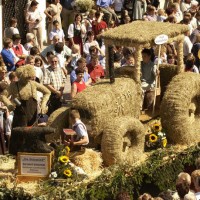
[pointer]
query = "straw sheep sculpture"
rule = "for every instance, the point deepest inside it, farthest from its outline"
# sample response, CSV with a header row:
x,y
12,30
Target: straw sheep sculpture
x,y
180,109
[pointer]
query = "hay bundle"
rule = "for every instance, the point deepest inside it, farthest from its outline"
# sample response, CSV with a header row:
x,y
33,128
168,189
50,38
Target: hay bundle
x,y
104,102
90,161
180,109
126,71
167,72
58,120
142,32
123,140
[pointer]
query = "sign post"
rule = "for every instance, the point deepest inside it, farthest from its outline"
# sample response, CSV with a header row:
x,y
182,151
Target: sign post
x,y
33,166
159,40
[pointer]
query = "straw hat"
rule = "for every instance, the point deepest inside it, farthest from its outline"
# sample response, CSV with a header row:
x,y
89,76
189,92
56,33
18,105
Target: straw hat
x,y
3,69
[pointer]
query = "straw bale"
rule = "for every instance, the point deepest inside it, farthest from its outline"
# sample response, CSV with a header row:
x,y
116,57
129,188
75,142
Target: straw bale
x,y
58,120
137,67
142,32
104,102
167,72
180,109
123,140
90,161
126,71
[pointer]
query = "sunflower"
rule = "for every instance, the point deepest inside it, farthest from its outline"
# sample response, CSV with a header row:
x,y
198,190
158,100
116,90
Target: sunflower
x,y
164,142
153,138
156,127
67,149
67,173
63,159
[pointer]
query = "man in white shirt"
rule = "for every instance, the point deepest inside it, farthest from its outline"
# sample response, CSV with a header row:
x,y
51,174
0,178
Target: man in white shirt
x,y
57,31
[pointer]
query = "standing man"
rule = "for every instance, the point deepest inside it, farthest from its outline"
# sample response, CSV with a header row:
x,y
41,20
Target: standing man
x,y
67,14
54,80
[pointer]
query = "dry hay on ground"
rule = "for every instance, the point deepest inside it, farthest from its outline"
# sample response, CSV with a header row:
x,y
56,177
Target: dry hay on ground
x,y
104,102
89,160
180,109
123,141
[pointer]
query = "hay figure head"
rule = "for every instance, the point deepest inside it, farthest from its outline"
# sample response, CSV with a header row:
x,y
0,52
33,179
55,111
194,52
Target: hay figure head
x,y
25,74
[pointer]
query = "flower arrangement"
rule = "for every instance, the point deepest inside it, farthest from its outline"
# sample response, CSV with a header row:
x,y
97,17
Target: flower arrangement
x,y
83,5
156,138
63,168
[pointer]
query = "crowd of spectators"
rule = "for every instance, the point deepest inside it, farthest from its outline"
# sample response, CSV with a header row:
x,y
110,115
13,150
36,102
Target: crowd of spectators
x,y
74,49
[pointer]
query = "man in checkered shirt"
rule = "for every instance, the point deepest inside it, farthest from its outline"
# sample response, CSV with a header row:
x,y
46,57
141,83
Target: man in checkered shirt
x,y
54,80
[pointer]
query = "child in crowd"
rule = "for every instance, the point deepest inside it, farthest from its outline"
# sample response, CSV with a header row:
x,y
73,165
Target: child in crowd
x,y
76,54
81,131
130,61
189,64
161,15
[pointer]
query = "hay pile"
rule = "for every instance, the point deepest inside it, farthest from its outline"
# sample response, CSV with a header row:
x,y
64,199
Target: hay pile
x,y
59,119
123,141
102,103
126,71
142,32
180,109
167,72
90,161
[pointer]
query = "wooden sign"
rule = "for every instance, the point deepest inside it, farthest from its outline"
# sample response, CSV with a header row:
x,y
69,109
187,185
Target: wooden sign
x,y
33,166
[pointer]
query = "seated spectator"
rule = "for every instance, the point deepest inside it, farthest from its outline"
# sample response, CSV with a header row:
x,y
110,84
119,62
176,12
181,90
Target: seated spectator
x,y
81,63
189,64
48,57
57,31
10,31
78,85
166,195
95,70
19,50
7,54
190,197
105,7
185,5
145,196
30,39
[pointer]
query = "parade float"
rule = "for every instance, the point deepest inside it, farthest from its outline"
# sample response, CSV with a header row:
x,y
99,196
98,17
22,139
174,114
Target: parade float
x,y
125,154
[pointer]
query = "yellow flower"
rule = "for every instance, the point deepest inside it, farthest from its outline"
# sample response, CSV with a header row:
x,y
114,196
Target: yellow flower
x,y
63,159
67,150
153,138
156,127
164,142
67,173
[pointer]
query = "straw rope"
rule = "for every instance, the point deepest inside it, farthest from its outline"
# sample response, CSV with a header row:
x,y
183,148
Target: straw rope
x,y
180,54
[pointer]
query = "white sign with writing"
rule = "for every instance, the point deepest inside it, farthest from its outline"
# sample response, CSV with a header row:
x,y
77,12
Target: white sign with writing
x,y
34,165
161,39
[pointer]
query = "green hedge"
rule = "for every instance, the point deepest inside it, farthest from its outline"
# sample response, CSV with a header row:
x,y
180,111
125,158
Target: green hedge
x,y
160,171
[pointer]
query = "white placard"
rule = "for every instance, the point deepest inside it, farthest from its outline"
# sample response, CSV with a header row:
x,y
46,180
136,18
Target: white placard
x,y
161,39
34,165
